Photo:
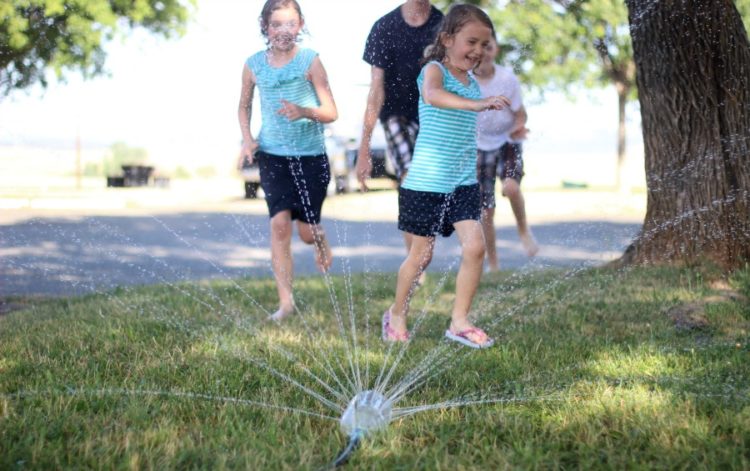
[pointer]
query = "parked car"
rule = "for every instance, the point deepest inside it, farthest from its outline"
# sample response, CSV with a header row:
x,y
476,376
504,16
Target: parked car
x,y
342,157
343,178
251,174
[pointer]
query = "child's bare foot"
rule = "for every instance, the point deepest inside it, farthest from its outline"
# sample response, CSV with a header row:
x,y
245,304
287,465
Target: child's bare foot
x,y
529,244
323,255
281,314
492,267
422,279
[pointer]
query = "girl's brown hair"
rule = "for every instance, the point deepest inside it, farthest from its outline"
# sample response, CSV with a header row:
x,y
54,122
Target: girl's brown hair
x,y
271,6
458,16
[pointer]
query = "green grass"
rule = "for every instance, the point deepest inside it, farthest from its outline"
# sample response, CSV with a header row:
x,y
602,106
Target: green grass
x,y
588,372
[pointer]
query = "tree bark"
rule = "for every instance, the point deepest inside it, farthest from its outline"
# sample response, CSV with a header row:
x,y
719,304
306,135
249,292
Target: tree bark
x,y
693,74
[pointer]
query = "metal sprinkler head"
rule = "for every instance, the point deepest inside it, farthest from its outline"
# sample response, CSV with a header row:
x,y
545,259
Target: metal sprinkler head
x,y
367,411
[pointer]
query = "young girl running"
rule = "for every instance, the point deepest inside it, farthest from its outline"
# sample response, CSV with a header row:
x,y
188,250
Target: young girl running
x,y
440,193
294,172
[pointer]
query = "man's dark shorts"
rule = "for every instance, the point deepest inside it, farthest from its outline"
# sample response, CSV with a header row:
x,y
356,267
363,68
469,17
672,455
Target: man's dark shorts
x,y
426,214
298,184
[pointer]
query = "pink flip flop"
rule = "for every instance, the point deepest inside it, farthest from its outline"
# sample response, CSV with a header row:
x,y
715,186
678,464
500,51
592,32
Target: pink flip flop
x,y
390,335
463,338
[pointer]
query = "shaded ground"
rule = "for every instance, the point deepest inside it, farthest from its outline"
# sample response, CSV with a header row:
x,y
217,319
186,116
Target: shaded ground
x,y
58,255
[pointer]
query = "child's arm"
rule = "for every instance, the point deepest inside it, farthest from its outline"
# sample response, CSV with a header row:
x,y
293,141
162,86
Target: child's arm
x,y
434,94
519,131
244,113
326,112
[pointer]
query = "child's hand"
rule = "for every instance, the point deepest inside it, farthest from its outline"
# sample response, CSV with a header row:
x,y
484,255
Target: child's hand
x,y
247,153
519,134
291,111
493,103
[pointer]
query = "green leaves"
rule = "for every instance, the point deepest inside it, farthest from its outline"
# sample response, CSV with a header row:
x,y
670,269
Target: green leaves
x,y
560,44
69,35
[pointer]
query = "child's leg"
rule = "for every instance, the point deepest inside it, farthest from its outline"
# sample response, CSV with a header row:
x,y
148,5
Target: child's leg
x,y
472,257
407,242
281,261
512,191
419,256
313,234
488,228
487,162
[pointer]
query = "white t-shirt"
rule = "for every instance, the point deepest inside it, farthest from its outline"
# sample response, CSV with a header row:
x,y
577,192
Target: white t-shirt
x,y
494,126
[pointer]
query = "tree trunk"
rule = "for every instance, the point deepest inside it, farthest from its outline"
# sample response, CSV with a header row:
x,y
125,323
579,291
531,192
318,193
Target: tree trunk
x,y
693,74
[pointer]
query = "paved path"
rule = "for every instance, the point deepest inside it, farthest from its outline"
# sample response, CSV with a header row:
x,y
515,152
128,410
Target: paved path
x,y
78,250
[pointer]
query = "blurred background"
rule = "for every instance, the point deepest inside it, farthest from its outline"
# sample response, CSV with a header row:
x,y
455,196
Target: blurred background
x,y
169,105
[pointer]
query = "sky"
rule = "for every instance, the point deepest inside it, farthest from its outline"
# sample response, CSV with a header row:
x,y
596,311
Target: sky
x,y
178,98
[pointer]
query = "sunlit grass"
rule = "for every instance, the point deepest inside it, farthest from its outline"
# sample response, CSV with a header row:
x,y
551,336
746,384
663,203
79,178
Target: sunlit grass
x,y
589,371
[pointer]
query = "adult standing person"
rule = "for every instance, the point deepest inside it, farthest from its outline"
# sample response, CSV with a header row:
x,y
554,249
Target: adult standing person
x,y
394,48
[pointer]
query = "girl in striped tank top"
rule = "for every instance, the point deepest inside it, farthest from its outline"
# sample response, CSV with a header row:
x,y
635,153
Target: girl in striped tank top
x,y
440,193
294,172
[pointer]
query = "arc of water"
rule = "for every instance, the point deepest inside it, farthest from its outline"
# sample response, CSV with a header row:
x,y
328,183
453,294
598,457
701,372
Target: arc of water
x,y
381,384
400,413
295,167
174,394
332,405
283,351
428,369
210,262
237,314
412,381
154,275
179,237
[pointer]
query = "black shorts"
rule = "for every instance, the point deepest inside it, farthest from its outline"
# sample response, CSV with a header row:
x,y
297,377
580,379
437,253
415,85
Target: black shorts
x,y
426,214
297,184
505,162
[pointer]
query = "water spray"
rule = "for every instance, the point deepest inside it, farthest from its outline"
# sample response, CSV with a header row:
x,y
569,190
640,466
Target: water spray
x,y
367,412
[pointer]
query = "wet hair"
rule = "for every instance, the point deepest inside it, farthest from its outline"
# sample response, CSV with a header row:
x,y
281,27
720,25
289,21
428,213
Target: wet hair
x,y
272,5
458,17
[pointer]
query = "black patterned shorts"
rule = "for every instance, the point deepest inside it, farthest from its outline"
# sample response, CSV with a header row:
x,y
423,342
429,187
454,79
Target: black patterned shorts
x,y
400,135
426,214
505,162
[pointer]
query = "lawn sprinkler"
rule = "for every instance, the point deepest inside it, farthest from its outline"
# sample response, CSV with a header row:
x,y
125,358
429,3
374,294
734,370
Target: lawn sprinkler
x,y
367,412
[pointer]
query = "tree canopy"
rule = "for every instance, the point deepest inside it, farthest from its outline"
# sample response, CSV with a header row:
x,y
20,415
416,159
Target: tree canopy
x,y
556,44
563,44
69,35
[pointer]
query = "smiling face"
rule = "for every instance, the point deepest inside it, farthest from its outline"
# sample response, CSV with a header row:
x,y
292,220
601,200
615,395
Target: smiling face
x,y
490,52
465,49
283,26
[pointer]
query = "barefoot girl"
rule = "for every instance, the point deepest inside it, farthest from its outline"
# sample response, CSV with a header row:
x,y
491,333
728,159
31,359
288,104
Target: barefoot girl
x,y
295,102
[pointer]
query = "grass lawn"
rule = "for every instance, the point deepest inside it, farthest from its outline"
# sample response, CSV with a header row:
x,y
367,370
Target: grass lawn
x,y
592,369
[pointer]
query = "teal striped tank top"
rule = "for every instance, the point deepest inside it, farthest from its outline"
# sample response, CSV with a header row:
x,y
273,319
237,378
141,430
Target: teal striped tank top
x,y
445,154
278,135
